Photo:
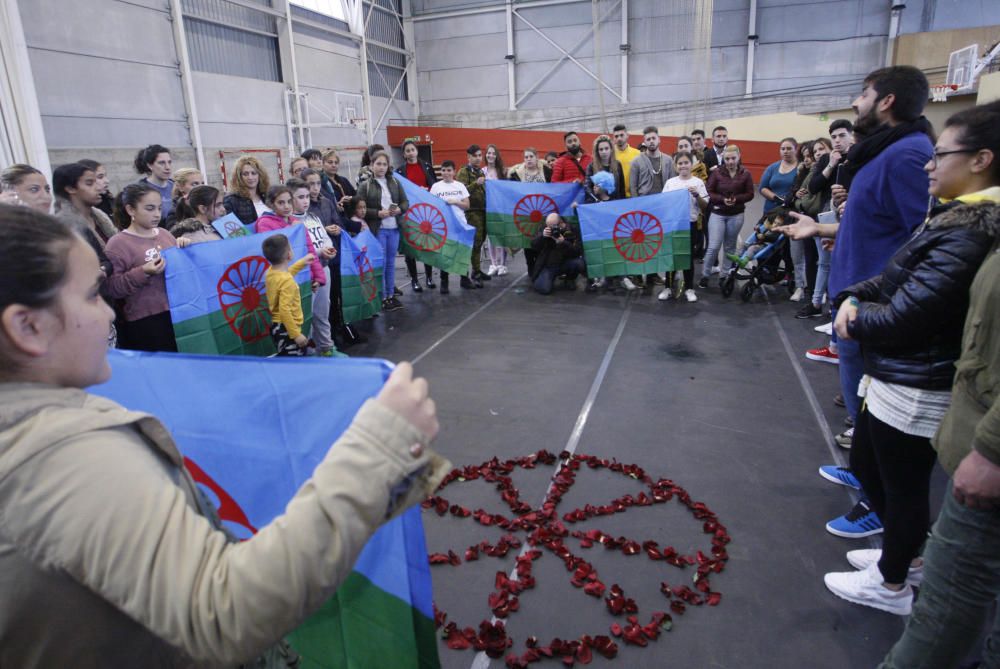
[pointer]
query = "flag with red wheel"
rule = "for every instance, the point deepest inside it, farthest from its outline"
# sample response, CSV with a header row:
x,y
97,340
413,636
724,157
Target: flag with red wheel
x,y
639,235
361,265
430,232
218,301
516,210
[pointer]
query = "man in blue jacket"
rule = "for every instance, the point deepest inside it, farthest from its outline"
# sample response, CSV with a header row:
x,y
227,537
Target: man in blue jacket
x,y
887,201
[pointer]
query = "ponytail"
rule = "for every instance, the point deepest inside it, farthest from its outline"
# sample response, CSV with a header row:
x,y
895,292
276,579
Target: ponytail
x,y
129,197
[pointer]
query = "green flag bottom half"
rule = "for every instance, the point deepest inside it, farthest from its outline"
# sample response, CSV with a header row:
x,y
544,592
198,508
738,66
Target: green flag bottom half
x,y
604,259
243,328
361,298
452,257
363,626
516,233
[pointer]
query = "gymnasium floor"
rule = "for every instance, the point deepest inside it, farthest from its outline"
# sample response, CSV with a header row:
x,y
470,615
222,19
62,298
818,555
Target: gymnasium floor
x,y
715,395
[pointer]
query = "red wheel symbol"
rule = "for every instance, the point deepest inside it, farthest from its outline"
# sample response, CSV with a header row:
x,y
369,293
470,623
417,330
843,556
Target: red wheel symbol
x,y
366,275
567,535
530,212
241,294
425,228
229,510
638,236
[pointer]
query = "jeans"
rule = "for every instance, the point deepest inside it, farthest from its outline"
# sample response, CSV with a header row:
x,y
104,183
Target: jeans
x,y
961,583
389,239
799,262
321,315
822,273
851,370
572,268
723,232
894,469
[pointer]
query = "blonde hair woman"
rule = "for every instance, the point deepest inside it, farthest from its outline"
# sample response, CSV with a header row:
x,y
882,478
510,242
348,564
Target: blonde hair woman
x,y
186,179
249,190
730,187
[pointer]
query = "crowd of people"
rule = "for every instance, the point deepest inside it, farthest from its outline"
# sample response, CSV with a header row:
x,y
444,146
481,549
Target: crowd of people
x,y
891,230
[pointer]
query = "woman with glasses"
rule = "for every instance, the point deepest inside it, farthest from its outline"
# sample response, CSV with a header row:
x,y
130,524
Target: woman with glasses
x,y
908,321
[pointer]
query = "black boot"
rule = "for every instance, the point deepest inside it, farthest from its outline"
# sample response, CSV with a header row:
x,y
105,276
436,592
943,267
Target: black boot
x,y
415,285
430,281
465,282
444,287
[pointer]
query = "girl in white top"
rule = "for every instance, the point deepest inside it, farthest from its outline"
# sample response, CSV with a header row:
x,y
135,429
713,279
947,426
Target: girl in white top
x,y
684,161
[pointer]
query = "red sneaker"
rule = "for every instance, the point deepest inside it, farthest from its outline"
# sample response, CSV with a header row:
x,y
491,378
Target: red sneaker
x,y
823,355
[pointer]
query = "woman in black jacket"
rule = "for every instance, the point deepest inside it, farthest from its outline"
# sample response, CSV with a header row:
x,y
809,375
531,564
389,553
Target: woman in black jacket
x,y
909,321
421,173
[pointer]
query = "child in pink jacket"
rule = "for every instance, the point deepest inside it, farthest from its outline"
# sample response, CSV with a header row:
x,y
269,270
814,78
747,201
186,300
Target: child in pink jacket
x,y
279,198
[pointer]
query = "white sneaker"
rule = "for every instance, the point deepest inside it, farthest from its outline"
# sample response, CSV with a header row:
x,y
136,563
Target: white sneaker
x,y
826,329
797,295
689,294
665,295
845,438
863,558
865,587
494,270
502,270
627,282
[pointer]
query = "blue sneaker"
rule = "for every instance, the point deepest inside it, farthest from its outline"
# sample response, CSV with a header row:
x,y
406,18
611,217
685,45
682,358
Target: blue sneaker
x,y
840,475
860,522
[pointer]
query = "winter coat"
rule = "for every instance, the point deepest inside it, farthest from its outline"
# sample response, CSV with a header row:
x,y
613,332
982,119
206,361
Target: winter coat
x,y
469,176
909,321
720,184
195,231
973,419
242,207
371,192
568,168
619,175
552,254
111,557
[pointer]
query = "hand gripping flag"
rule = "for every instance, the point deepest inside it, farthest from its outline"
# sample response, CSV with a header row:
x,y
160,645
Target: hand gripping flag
x,y
430,232
218,303
252,457
516,211
639,235
361,264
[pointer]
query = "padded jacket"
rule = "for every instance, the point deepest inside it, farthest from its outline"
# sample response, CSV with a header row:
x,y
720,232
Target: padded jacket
x,y
910,317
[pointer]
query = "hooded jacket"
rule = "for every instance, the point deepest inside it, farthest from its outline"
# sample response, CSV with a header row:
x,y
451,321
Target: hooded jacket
x,y
909,321
110,556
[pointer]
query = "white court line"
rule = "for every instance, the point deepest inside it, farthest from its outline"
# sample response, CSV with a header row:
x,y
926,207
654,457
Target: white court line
x,y
468,318
482,660
824,427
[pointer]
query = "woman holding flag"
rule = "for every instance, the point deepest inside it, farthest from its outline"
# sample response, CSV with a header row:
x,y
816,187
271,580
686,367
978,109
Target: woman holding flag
x,y
101,516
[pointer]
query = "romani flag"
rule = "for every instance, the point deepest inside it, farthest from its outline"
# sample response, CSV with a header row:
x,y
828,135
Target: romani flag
x,y
430,232
639,235
218,302
251,445
361,264
516,211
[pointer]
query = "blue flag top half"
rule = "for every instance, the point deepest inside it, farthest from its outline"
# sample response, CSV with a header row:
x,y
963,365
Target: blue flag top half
x,y
247,426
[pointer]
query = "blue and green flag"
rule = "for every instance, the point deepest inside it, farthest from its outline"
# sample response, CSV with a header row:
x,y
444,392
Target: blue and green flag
x,y
639,235
430,232
253,456
217,296
361,266
516,210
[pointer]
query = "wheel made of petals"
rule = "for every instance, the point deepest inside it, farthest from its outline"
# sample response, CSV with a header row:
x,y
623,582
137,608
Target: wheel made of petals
x,y
530,212
534,532
366,277
638,236
424,227
243,299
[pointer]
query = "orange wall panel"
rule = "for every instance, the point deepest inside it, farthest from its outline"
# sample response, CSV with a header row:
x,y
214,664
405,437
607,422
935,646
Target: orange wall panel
x,y
451,143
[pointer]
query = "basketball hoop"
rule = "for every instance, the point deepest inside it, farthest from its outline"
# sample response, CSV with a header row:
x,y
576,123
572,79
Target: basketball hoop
x,y
359,123
940,93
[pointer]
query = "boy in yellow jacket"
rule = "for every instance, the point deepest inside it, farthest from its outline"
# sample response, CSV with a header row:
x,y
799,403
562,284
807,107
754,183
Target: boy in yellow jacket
x,y
283,296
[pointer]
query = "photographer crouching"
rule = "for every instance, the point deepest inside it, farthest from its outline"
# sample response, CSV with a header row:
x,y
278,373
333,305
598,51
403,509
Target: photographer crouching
x,y
559,253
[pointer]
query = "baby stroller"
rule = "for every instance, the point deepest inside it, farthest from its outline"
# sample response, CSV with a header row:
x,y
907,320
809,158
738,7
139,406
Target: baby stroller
x,y
768,266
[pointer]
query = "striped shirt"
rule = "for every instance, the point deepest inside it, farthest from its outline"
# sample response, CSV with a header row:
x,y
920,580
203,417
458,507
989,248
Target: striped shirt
x,y
913,411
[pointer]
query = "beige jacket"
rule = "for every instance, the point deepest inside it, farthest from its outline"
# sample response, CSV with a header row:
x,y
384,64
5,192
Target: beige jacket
x,y
105,560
